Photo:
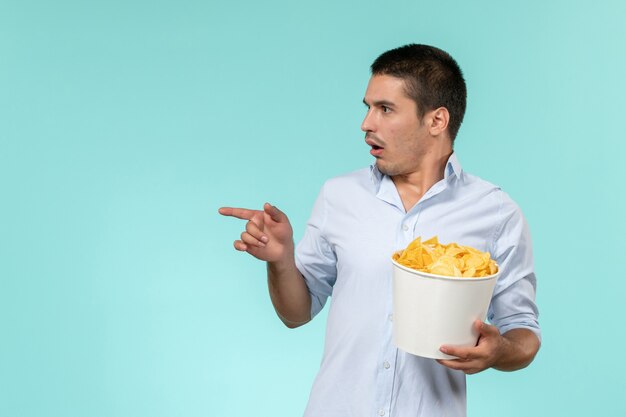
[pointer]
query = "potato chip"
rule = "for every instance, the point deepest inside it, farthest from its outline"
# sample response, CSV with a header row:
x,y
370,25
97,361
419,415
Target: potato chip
x,y
449,260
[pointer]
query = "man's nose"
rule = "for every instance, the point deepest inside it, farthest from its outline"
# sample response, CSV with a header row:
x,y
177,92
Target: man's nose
x,y
368,122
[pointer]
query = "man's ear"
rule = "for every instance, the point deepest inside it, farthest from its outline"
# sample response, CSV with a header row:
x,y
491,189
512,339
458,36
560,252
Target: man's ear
x,y
440,117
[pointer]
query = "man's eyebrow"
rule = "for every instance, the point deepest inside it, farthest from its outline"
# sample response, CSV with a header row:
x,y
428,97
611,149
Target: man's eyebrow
x,y
380,103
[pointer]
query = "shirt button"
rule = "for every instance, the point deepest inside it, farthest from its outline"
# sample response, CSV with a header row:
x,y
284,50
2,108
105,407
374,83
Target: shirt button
x,y
390,317
386,365
405,227
381,412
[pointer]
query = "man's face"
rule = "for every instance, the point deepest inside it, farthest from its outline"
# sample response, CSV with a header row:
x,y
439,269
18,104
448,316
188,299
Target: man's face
x,y
398,139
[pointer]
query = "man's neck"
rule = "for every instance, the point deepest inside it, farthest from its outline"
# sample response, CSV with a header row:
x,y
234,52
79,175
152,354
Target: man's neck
x,y
413,185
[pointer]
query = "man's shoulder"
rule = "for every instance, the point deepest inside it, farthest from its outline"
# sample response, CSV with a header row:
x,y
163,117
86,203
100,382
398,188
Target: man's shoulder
x,y
354,186
471,180
475,184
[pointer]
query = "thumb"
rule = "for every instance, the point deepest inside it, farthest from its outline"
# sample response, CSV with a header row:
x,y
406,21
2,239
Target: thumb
x,y
276,215
484,329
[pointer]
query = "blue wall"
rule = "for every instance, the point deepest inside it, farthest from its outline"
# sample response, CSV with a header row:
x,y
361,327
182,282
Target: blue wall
x,y
124,125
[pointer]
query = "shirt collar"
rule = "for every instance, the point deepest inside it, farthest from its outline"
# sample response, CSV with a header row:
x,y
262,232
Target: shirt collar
x,y
453,168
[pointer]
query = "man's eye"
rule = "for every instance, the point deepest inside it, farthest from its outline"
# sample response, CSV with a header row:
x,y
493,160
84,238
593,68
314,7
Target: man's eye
x,y
385,109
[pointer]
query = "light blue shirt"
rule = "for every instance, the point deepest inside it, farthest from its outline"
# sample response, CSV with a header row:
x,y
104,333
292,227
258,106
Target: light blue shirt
x,y
357,222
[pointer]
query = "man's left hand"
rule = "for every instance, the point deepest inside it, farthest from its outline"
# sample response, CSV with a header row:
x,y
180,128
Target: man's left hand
x,y
476,359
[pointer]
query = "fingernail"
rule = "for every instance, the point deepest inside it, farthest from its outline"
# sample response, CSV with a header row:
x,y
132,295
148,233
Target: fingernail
x,y
264,239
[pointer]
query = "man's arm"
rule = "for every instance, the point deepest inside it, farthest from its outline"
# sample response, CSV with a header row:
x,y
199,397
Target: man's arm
x,y
269,237
510,351
513,303
289,293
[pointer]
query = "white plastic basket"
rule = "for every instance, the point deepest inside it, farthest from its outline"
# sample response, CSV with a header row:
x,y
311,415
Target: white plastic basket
x,y
433,310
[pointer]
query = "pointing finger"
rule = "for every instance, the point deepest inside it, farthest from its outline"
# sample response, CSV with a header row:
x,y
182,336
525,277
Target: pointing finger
x,y
240,213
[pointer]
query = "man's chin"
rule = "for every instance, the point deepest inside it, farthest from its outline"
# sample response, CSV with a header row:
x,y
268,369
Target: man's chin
x,y
383,168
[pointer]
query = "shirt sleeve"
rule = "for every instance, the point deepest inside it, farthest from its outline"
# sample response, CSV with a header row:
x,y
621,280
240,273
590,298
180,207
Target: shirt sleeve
x,y
315,257
513,303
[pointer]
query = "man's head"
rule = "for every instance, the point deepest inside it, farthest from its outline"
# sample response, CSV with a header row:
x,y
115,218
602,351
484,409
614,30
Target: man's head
x,y
432,79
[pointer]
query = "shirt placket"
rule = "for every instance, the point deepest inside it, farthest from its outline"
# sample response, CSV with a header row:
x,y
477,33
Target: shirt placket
x,y
386,365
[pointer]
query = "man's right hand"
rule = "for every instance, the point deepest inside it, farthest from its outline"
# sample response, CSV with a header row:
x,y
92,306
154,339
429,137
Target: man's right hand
x,y
268,235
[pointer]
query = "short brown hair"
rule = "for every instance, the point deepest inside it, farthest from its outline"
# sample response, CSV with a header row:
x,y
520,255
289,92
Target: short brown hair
x,y
432,79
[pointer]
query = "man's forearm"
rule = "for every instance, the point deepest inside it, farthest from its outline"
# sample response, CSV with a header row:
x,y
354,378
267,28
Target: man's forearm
x,y
519,349
289,293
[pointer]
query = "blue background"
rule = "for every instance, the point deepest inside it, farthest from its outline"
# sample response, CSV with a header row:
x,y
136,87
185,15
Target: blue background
x,y
124,125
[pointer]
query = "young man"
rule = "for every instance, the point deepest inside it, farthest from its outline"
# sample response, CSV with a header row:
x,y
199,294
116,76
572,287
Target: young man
x,y
416,102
